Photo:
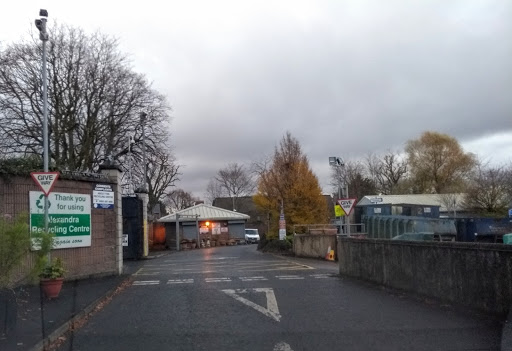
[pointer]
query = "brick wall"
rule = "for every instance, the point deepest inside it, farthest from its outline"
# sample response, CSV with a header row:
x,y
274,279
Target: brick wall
x,y
98,259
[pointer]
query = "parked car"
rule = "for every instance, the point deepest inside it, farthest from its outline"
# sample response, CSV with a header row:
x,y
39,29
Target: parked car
x,y
252,236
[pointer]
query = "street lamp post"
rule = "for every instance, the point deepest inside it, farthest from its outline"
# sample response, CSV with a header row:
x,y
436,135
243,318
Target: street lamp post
x,y
337,162
43,35
143,117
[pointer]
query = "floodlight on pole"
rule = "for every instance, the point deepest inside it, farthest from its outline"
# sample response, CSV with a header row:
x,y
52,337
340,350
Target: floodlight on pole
x,y
338,162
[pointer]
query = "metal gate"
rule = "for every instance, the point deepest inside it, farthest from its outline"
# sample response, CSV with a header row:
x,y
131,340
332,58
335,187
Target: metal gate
x,y
133,228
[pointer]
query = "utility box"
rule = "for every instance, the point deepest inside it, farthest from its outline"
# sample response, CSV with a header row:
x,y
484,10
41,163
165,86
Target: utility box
x,y
507,239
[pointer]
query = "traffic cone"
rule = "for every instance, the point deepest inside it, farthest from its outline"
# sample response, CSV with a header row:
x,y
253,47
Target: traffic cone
x,y
328,252
331,255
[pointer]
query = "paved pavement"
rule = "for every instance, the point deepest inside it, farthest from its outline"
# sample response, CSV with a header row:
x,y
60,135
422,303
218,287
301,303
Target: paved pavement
x,y
235,298
40,319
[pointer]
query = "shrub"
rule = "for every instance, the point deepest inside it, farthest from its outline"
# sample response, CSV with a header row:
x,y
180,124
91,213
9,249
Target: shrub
x,y
14,245
276,246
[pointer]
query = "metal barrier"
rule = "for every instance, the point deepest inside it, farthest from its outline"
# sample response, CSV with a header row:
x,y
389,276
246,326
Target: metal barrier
x,y
387,227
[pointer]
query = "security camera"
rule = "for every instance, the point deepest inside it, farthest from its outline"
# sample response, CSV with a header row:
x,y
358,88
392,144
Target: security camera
x,y
43,13
39,24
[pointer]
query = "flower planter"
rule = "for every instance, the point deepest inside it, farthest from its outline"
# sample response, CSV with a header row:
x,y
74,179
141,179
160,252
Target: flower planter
x,y
51,287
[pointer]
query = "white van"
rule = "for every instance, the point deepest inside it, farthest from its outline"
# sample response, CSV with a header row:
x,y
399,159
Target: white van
x,y
252,236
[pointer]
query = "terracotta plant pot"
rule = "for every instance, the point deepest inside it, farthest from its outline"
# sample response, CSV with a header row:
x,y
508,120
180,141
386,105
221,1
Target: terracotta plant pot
x,y
52,287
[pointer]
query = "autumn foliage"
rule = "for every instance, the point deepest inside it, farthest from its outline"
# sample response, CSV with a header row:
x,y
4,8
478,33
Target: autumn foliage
x,y
290,180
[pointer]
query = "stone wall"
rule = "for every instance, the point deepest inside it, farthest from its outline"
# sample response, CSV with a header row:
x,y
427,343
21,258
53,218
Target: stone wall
x,y
471,274
313,245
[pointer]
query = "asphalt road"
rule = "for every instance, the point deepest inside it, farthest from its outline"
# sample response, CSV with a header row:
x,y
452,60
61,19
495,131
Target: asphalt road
x,y
235,298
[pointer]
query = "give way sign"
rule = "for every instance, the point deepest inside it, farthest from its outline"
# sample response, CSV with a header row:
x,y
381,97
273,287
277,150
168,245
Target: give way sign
x,y
347,205
45,180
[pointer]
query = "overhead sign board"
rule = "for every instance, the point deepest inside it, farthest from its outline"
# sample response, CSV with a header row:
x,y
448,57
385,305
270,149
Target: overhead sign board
x,y
103,196
347,205
45,180
69,218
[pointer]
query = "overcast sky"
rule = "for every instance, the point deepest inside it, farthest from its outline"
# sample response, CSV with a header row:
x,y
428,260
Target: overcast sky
x,y
344,77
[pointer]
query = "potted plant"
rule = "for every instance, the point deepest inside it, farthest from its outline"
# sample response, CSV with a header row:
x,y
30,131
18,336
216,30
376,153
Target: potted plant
x,y
50,271
52,277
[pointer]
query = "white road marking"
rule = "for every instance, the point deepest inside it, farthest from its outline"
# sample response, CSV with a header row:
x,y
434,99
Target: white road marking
x,y
217,280
321,276
288,277
148,273
180,281
250,279
282,346
271,310
146,282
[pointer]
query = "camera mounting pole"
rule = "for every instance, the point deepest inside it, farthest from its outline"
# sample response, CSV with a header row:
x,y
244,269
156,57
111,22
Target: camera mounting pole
x,y
43,35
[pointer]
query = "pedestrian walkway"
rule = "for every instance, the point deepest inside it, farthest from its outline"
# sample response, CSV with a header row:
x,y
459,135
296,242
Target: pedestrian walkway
x,y
39,318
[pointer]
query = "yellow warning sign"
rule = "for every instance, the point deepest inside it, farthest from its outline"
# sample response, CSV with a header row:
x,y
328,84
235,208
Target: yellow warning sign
x,y
338,211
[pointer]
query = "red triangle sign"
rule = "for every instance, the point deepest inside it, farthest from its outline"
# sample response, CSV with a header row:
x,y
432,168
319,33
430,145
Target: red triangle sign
x,y
347,205
45,180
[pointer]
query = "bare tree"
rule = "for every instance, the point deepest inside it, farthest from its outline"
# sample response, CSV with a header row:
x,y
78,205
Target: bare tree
x,y
352,174
94,100
213,191
236,181
451,202
490,190
387,171
180,199
162,173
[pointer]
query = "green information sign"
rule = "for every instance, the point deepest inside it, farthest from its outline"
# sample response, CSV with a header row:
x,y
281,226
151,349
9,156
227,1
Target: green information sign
x,y
69,218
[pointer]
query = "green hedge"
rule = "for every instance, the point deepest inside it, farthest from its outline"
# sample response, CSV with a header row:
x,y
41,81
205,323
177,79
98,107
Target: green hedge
x,y
276,246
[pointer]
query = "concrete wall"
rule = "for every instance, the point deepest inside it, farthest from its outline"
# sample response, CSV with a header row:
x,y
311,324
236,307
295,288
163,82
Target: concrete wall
x,y
313,245
101,258
475,275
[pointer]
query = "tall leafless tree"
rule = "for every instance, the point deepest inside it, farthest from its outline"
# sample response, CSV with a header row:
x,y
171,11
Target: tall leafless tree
x,y
180,199
490,190
352,175
387,171
214,190
235,180
94,100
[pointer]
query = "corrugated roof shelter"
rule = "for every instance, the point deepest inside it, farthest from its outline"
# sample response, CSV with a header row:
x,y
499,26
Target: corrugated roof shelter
x,y
204,213
442,200
203,223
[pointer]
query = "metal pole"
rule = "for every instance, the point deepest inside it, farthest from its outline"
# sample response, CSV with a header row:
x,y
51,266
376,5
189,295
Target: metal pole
x,y
44,38
347,218
198,232
339,197
177,232
143,119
